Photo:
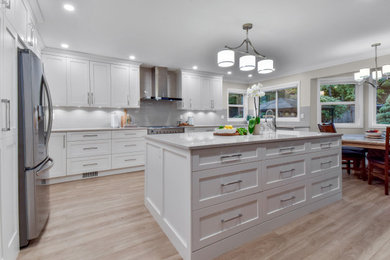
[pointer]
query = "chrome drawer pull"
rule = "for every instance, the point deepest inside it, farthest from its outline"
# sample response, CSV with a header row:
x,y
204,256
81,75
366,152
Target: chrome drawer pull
x,y
90,148
229,219
287,149
327,145
231,183
327,186
90,164
234,157
129,145
90,135
128,160
287,171
326,162
291,198
131,134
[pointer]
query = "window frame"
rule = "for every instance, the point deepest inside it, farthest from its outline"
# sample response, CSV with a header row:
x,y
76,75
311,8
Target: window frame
x,y
372,109
244,104
358,101
293,84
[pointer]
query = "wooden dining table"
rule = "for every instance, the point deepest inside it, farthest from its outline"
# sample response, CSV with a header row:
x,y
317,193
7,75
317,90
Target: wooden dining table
x,y
359,140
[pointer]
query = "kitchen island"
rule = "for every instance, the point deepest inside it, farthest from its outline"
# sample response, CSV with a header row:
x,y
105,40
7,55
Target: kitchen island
x,y
210,194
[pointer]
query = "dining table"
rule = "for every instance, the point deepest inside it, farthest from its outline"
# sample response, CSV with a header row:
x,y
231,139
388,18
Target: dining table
x,y
361,141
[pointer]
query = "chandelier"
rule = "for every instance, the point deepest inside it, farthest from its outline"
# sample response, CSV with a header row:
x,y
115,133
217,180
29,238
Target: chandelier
x,y
247,62
372,78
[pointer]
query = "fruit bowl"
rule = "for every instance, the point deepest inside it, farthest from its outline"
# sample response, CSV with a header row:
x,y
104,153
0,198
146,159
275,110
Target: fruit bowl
x,y
373,133
225,131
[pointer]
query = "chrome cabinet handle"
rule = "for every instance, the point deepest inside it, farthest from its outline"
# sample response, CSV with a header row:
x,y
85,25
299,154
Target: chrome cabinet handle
x,y
327,145
230,219
231,183
290,198
90,135
89,99
128,101
327,186
90,164
7,103
63,141
291,170
93,98
129,145
127,160
287,149
234,157
131,134
90,148
326,162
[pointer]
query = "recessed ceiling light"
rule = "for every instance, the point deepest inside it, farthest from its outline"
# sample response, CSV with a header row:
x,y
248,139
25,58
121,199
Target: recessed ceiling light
x,y
194,67
64,45
229,73
69,7
132,57
250,75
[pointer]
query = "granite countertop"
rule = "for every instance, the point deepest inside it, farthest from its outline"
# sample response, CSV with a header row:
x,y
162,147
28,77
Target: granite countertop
x,y
208,140
97,129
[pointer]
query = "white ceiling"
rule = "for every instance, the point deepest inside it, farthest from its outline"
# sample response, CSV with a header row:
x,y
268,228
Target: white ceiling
x,y
298,34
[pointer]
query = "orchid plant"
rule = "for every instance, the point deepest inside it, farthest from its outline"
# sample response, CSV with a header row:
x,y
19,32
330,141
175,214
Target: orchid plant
x,y
255,92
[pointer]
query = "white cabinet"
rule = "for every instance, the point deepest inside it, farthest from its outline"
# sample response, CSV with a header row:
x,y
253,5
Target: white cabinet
x,y
21,19
216,93
100,92
56,76
57,151
191,89
120,82
78,82
134,87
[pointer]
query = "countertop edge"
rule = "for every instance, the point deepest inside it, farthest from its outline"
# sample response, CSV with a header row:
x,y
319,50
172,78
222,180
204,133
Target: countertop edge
x,y
96,129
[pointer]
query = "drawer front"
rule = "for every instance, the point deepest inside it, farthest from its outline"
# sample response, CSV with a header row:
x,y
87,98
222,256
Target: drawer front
x,y
127,146
87,136
284,199
220,221
324,144
218,157
124,134
278,172
215,186
88,148
325,162
279,149
127,160
90,164
325,185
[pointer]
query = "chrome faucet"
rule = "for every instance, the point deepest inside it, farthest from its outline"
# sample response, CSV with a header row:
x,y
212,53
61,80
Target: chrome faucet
x,y
271,125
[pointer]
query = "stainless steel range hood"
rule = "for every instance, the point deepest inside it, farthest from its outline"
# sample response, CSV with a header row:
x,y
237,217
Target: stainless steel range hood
x,y
158,83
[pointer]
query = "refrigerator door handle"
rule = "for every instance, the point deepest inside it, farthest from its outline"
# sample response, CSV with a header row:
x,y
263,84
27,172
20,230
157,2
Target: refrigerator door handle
x,y
47,165
50,105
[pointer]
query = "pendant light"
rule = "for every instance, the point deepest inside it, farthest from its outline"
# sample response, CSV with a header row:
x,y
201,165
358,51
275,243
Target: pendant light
x,y
247,63
225,58
265,66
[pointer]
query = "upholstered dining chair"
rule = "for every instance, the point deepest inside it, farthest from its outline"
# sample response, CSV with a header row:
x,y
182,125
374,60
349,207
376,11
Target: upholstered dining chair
x,y
378,163
352,158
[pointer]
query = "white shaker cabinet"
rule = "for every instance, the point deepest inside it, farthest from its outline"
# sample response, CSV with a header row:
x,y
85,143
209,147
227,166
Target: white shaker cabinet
x,y
191,92
78,82
120,82
216,93
134,100
57,151
100,77
56,76
206,101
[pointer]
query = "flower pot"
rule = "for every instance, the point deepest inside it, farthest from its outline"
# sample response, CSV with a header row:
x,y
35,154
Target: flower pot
x,y
256,131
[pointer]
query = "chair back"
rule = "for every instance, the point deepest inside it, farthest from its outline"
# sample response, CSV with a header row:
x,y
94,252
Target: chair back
x,y
387,147
327,128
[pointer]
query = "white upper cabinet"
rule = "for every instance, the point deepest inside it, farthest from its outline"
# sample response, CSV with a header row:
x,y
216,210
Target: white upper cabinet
x,y
56,76
100,93
78,82
216,93
21,19
206,100
120,85
134,87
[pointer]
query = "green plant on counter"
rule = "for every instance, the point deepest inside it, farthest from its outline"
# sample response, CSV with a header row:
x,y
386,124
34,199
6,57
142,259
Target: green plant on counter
x,y
252,123
221,127
242,131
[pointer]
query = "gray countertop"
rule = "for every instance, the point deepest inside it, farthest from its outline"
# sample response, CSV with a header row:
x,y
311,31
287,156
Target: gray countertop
x,y
97,129
208,140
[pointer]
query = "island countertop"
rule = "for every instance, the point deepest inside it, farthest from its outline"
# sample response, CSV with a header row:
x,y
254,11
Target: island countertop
x,y
208,140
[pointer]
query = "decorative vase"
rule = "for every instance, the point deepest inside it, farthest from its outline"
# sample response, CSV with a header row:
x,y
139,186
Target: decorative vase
x,y
256,131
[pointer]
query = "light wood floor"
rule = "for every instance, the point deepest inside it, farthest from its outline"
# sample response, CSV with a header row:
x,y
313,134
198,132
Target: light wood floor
x,y
104,218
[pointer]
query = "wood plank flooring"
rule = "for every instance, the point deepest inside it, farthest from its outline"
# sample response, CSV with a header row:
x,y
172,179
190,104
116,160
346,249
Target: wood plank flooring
x,y
104,218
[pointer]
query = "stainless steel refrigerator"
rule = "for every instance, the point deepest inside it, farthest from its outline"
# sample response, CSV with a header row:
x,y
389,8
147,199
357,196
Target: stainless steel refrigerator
x,y
35,122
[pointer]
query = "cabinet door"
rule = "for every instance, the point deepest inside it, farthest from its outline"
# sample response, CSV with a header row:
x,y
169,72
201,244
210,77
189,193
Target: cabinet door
x,y
185,91
120,85
134,87
206,100
57,151
191,87
100,84
78,82
216,93
56,75
21,18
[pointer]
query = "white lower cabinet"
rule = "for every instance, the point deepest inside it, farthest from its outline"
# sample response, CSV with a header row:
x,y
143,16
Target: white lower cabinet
x,y
127,160
57,151
88,164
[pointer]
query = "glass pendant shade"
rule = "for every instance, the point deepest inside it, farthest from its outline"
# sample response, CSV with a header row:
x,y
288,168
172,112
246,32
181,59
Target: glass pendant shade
x,y
357,77
374,74
265,66
226,58
386,69
364,73
247,62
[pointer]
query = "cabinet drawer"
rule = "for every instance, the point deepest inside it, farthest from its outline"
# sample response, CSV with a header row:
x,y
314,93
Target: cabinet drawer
x,y
221,184
324,186
88,148
127,146
124,134
284,199
278,172
86,136
218,157
325,144
127,160
217,222
325,162
90,164
279,149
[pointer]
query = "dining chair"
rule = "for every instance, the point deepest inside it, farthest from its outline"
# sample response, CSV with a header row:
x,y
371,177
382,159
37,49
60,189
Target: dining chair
x,y
353,158
378,164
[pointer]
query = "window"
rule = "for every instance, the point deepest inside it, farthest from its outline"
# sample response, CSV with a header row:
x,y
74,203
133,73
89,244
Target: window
x,y
339,102
237,108
380,105
282,100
